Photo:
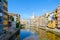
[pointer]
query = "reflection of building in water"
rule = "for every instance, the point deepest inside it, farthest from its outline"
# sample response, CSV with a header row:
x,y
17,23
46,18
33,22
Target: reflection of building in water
x,y
24,22
32,21
42,34
51,36
47,35
37,21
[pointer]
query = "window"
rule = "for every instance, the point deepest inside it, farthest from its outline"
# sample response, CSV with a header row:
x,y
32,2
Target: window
x,y
0,10
5,7
1,14
5,1
0,19
53,18
0,0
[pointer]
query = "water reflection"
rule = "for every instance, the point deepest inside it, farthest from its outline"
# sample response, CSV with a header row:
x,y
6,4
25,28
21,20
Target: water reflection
x,y
46,35
24,34
42,34
51,36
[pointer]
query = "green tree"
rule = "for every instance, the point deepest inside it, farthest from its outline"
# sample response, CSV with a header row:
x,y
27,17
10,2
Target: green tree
x,y
12,18
21,26
17,25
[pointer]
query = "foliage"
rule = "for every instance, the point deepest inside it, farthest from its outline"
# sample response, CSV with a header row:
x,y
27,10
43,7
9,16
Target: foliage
x,y
17,25
21,26
12,18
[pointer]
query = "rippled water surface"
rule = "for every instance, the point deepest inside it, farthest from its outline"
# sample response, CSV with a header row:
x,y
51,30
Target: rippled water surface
x,y
24,34
46,35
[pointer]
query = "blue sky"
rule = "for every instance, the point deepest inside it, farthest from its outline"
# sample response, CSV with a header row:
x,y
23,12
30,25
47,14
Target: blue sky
x,y
26,7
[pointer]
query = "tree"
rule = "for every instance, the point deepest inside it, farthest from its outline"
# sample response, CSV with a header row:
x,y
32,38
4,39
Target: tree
x,y
17,25
21,26
12,18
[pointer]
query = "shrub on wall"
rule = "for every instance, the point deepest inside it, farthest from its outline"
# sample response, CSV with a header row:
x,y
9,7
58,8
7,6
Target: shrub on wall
x,y
17,25
11,18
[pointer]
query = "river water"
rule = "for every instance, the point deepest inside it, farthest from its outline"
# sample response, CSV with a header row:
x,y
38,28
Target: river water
x,y
43,35
26,34
46,35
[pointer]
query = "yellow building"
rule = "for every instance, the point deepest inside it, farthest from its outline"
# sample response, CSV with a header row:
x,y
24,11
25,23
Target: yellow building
x,y
51,21
56,18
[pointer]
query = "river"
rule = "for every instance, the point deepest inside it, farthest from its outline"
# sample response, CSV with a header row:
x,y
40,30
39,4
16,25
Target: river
x,y
42,34
25,34
47,35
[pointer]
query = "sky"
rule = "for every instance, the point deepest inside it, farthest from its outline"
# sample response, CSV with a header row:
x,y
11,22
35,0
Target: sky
x,y
26,7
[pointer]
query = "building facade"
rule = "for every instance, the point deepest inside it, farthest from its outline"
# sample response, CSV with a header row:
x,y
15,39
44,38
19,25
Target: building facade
x,y
58,16
34,23
24,22
16,16
3,15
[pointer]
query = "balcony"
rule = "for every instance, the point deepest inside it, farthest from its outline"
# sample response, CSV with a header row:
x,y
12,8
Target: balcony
x,y
5,22
5,11
6,16
5,5
5,8
5,28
